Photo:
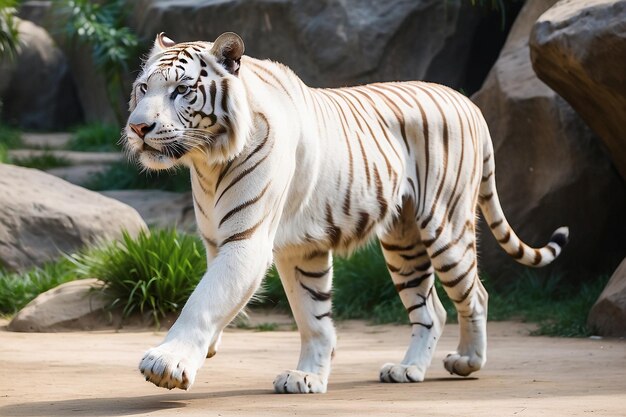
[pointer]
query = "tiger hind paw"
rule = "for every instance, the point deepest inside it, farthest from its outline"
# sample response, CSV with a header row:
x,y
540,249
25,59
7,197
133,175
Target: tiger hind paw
x,y
391,372
463,365
299,382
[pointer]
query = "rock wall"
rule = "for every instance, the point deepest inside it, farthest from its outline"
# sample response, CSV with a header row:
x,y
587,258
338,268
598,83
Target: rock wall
x,y
329,42
36,89
551,170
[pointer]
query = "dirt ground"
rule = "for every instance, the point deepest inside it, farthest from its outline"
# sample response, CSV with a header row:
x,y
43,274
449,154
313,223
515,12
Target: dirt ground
x,y
95,374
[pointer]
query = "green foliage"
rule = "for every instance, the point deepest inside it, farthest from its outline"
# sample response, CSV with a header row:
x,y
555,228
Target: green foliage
x,y
113,45
154,273
46,160
95,137
4,154
9,42
17,290
125,176
267,327
10,138
559,308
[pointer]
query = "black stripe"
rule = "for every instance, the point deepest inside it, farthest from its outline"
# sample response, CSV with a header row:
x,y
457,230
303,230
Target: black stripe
x,y
225,95
416,282
243,205
309,274
415,306
457,280
417,323
328,314
213,91
317,295
496,224
396,248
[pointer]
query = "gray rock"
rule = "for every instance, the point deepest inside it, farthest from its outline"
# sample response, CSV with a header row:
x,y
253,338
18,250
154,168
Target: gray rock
x,y
161,209
75,305
550,168
36,89
45,140
578,48
42,216
79,174
608,315
329,42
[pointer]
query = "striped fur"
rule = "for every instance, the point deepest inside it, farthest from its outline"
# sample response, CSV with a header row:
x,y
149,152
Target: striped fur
x,y
288,174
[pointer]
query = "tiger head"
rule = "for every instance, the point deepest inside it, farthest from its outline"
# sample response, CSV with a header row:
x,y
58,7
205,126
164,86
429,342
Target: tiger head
x,y
188,101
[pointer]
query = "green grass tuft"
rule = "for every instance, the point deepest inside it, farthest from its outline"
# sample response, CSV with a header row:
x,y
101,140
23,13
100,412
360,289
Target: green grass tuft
x,y
153,273
17,290
45,160
127,176
95,137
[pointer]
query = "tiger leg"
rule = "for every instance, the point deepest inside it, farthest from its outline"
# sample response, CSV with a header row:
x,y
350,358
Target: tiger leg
x,y
452,252
307,281
413,276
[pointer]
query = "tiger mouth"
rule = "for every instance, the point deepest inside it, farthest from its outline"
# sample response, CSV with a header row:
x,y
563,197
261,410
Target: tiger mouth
x,y
147,148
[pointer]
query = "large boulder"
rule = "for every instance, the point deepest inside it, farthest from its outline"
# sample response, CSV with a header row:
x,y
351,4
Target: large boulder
x,y
334,43
551,170
36,89
578,48
75,305
42,216
161,209
608,315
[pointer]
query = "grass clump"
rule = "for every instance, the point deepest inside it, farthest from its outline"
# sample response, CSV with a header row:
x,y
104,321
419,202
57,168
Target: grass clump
x,y
46,160
153,273
17,290
95,137
126,176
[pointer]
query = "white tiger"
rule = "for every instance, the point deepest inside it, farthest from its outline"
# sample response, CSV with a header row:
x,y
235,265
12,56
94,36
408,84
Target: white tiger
x,y
289,174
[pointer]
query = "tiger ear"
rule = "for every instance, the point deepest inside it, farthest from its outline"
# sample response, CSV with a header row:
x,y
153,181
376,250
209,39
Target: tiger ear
x,y
161,42
228,49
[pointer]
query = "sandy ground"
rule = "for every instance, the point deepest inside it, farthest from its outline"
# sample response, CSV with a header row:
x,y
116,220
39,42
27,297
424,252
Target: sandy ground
x,y
95,374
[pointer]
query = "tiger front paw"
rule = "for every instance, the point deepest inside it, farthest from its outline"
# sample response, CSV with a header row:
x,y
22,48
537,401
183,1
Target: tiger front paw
x,y
169,366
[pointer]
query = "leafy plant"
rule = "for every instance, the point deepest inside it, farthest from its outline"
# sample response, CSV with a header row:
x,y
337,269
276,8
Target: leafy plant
x,y
101,26
17,290
95,137
153,273
9,42
127,176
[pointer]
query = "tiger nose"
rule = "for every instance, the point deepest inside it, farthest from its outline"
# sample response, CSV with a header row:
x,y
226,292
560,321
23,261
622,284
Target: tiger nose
x,y
141,129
